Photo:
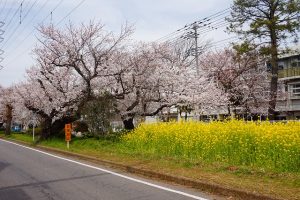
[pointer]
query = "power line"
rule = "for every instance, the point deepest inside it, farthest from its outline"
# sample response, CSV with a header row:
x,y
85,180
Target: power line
x,y
18,26
3,9
205,24
28,35
4,6
14,15
188,26
76,7
234,38
205,28
71,12
28,23
52,11
7,25
209,18
190,35
220,13
214,28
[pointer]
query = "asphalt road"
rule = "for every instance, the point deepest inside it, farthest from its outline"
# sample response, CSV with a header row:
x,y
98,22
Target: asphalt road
x,y
28,174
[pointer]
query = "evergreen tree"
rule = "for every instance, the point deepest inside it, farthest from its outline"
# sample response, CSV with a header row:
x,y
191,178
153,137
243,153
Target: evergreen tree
x,y
266,24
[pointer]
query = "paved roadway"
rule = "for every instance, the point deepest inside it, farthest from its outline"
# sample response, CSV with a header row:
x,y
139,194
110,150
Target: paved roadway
x,y
28,174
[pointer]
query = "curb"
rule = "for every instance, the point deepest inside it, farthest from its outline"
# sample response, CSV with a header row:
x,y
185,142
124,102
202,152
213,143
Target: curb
x,y
201,185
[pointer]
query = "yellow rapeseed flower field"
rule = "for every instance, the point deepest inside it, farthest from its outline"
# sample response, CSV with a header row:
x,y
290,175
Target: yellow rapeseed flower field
x,y
262,144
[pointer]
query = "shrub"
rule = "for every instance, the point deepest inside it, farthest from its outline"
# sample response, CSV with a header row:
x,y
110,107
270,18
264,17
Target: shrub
x,y
80,126
37,131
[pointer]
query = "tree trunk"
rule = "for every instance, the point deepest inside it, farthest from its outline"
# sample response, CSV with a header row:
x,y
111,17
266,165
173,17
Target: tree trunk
x,y
8,116
50,129
128,124
274,77
228,109
59,124
46,129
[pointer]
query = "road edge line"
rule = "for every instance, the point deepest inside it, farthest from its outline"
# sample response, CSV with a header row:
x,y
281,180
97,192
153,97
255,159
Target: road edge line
x,y
203,186
109,172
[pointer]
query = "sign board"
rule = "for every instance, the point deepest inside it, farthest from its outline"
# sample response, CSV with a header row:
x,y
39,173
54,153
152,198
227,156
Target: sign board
x,y
68,130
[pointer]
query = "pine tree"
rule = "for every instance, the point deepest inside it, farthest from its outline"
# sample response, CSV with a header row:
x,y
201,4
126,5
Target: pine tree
x,y
266,24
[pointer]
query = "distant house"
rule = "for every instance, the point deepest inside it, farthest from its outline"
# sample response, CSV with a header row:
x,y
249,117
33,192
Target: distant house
x,y
289,76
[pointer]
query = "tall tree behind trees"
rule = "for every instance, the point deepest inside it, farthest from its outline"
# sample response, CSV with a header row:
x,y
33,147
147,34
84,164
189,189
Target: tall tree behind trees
x,y
6,107
242,77
8,118
98,113
266,24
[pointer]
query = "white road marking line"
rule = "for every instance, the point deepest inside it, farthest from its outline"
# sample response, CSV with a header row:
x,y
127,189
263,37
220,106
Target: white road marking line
x,y
111,172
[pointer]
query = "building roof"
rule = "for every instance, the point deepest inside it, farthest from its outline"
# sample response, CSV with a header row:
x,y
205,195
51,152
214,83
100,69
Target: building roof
x,y
291,51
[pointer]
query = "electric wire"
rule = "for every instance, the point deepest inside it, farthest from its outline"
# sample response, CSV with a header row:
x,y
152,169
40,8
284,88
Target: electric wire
x,y
75,8
30,33
68,14
18,26
187,26
4,7
7,12
27,24
14,15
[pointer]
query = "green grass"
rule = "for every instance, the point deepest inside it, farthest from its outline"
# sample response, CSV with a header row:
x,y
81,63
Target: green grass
x,y
18,136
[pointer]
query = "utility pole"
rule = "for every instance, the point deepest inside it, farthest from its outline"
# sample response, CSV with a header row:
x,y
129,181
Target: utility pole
x,y
193,34
195,28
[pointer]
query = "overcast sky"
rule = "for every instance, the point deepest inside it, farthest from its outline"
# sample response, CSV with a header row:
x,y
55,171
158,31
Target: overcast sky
x,y
153,19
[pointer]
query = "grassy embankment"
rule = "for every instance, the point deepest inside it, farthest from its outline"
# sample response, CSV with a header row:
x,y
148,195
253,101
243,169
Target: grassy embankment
x,y
263,158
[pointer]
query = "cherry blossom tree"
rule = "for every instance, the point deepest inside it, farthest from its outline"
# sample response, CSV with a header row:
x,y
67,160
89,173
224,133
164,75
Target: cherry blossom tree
x,y
7,100
151,77
80,64
1,106
12,108
52,93
144,81
243,77
86,50
71,62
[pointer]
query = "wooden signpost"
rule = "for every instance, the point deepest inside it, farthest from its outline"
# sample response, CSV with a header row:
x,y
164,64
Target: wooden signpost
x,y
68,130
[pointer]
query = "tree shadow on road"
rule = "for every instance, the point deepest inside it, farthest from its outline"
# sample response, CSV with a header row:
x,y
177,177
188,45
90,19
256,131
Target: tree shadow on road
x,y
3,165
14,194
48,182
